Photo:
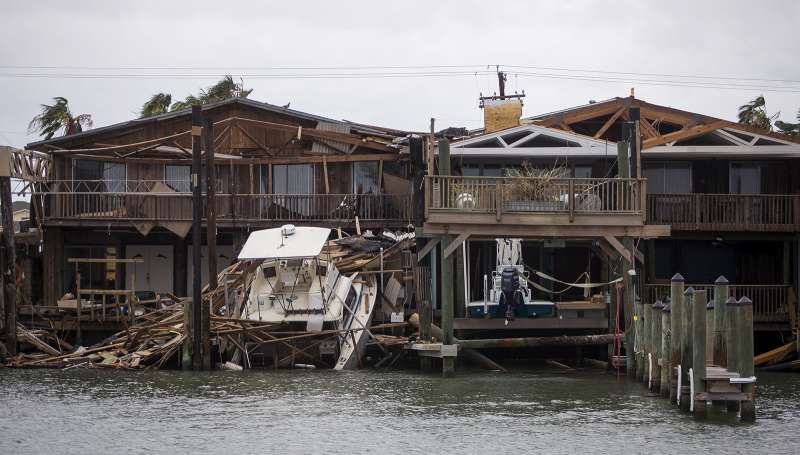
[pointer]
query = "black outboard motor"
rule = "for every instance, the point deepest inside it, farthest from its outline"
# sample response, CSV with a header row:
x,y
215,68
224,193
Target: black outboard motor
x,y
509,285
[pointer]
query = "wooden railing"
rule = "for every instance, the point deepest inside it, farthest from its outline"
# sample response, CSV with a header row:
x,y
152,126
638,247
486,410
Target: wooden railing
x,y
173,206
770,301
573,196
725,212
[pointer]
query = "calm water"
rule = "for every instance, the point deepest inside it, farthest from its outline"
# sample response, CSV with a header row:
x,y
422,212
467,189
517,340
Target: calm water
x,y
100,411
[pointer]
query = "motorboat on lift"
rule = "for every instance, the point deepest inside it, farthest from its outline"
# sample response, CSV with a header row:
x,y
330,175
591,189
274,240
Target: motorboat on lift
x,y
508,294
295,285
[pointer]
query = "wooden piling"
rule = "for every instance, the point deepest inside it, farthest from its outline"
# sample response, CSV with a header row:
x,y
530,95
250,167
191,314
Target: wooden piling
x,y
211,202
198,334
721,290
446,263
639,340
666,365
698,307
731,344
9,280
676,327
745,354
686,347
656,312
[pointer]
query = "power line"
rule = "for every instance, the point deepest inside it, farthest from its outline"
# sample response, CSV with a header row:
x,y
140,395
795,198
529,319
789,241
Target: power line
x,y
386,67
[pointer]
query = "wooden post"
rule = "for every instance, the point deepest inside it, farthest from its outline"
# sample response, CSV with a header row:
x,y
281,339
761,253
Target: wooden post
x,y
731,342
211,202
686,347
699,309
656,344
198,335
666,366
721,291
448,363
623,170
676,326
745,352
180,264
79,307
10,258
641,340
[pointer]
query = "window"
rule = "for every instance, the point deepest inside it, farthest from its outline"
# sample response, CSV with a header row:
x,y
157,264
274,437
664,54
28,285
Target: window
x,y
366,178
293,178
296,180
99,176
582,172
178,177
668,177
745,178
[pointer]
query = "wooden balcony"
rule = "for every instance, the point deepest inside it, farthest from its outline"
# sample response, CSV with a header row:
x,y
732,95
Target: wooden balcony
x,y
772,303
537,206
726,212
146,202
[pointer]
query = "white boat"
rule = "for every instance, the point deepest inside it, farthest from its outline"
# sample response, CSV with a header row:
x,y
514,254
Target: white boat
x,y
294,285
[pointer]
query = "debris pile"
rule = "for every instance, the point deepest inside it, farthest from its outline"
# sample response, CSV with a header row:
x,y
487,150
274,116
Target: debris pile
x,y
155,339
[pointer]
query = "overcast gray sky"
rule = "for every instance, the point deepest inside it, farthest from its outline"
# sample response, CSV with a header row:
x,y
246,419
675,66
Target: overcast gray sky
x,y
736,39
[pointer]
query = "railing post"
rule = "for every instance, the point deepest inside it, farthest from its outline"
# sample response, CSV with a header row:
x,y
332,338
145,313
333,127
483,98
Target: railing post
x,y
571,199
697,211
498,198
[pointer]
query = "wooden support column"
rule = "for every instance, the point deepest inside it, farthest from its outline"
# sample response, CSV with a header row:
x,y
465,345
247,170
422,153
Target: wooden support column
x,y
666,353
686,344
623,170
446,264
699,309
721,292
9,263
199,333
745,352
180,265
676,325
211,204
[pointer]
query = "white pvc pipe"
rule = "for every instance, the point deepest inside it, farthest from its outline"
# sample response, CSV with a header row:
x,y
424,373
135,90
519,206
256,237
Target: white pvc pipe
x,y
485,296
649,370
691,390
679,385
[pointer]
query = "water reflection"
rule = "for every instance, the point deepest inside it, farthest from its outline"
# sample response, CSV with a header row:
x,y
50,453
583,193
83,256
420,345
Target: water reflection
x,y
99,411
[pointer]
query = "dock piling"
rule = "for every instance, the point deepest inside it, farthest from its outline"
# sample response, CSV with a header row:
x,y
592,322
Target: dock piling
x,y
656,345
721,290
676,325
686,344
699,309
744,351
731,344
666,365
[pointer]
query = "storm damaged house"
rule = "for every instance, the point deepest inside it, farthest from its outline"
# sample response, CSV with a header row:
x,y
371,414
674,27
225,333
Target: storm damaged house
x,y
123,191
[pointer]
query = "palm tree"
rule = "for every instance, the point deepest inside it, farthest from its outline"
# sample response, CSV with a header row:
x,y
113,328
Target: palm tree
x,y
185,103
792,129
157,104
224,89
57,118
755,114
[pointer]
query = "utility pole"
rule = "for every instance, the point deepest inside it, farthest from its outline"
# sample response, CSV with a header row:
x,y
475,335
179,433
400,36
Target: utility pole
x,y
9,258
501,80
